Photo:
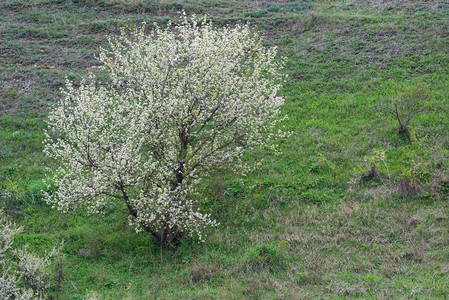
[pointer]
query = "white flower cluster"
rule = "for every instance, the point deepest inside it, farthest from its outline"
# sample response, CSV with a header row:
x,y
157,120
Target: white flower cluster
x,y
36,272
23,275
8,230
179,102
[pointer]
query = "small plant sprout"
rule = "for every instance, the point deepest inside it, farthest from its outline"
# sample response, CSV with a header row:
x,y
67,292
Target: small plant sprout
x,y
370,168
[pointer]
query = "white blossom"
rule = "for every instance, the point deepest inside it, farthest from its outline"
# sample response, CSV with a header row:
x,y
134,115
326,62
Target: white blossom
x,y
180,101
23,275
8,230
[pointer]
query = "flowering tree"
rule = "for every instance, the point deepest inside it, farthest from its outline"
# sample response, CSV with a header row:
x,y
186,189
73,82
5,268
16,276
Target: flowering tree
x,y
180,101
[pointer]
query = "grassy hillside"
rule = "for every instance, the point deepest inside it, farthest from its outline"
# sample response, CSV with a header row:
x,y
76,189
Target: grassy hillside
x,y
311,222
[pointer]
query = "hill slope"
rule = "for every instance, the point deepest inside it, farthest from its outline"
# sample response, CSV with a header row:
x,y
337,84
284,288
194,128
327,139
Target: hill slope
x,y
312,222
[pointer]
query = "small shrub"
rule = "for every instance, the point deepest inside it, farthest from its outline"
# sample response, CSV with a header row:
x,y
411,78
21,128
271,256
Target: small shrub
x,y
371,167
34,271
24,275
405,105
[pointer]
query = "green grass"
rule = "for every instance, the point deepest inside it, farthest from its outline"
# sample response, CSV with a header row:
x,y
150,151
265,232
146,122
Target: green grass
x,y
308,224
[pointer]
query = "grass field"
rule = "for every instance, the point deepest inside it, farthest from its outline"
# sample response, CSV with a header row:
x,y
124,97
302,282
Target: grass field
x,y
311,223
